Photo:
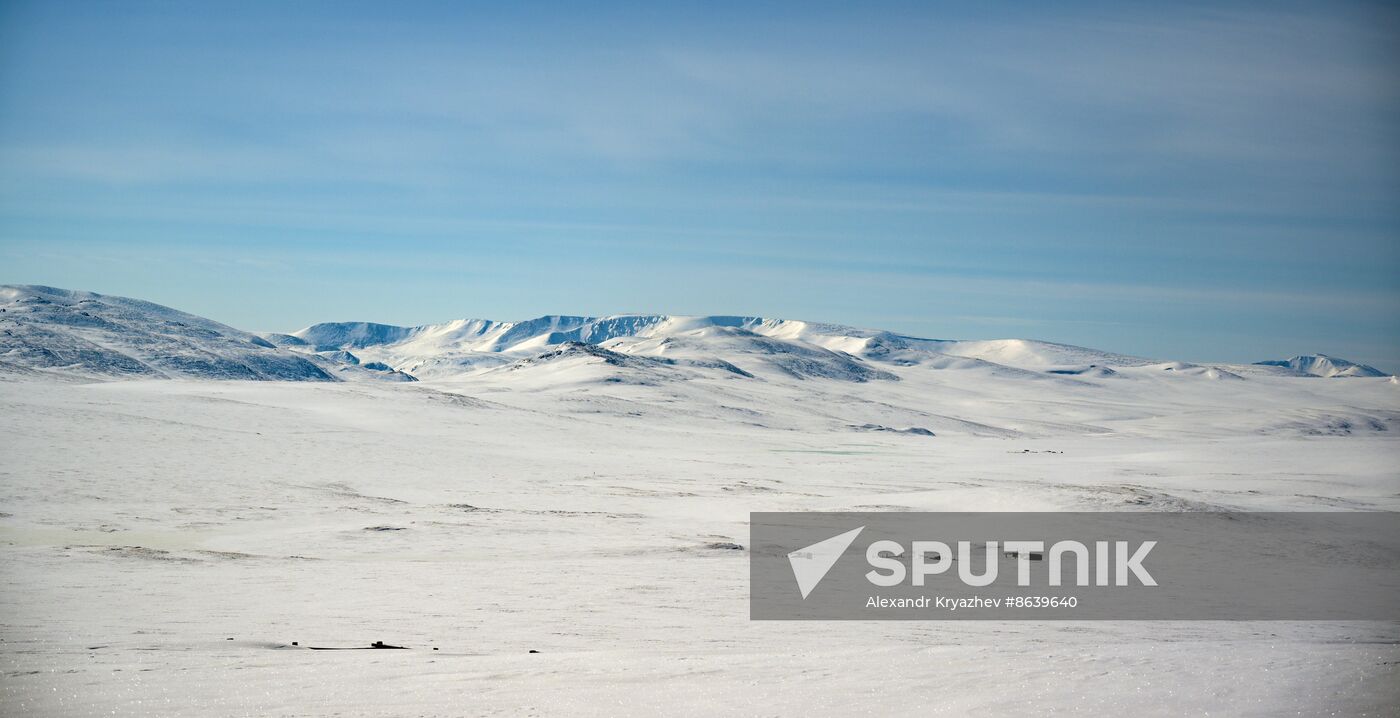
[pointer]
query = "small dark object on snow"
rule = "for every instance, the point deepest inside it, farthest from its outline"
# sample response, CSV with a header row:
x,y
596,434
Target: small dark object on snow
x,y
372,646
294,643
533,651
228,639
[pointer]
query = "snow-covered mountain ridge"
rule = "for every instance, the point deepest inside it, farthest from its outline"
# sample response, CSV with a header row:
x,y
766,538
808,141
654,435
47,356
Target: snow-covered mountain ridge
x,y
467,345
59,331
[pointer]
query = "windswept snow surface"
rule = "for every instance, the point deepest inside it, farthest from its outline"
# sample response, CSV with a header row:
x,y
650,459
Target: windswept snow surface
x,y
581,495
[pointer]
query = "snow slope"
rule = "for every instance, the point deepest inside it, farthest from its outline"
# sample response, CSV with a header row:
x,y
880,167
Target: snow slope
x,y
85,333
546,509
81,334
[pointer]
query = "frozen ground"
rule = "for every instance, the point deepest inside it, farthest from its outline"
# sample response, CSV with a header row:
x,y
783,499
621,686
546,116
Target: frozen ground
x,y
581,509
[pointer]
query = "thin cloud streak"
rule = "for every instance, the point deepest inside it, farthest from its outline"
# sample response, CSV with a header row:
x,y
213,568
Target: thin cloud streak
x,y
1238,165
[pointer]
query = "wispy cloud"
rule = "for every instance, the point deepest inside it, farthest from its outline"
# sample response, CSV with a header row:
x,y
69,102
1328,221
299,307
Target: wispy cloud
x,y
969,164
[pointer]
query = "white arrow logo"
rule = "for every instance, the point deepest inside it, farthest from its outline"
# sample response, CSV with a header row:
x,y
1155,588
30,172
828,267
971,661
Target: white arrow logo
x,y
811,564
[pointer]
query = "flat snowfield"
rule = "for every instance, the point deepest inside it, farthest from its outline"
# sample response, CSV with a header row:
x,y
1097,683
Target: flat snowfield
x,y
163,543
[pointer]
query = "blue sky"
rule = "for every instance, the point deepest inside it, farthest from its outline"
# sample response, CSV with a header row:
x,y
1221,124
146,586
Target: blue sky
x,y
1201,182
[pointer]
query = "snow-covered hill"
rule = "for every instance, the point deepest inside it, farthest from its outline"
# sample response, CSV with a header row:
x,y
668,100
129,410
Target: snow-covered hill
x,y
1325,366
64,331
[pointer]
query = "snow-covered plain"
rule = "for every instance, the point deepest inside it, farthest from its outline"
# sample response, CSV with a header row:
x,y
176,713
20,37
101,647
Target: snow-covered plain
x,y
581,496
